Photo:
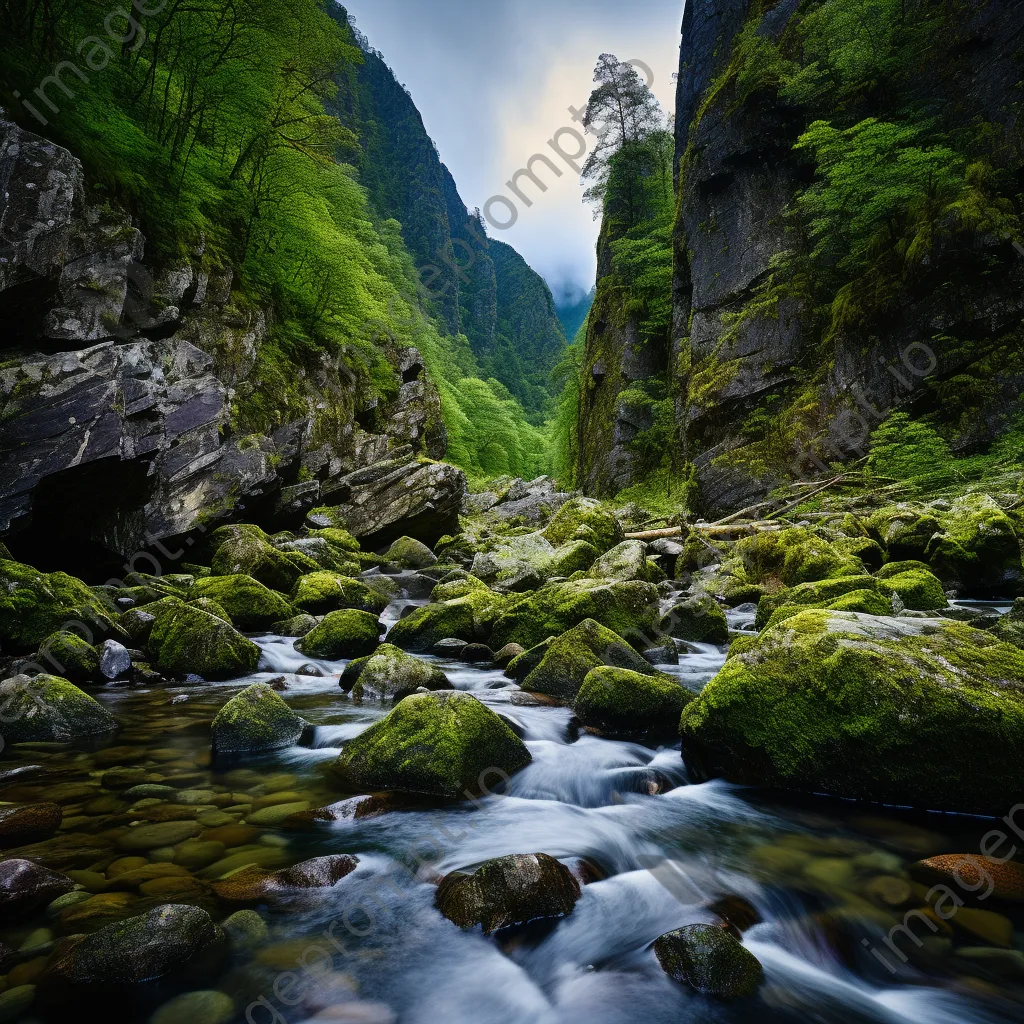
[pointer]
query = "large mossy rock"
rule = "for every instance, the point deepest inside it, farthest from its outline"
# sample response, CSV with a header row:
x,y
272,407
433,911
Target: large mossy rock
x,y
584,519
321,592
470,618
325,554
444,744
135,950
247,550
559,668
342,634
391,674
920,712
1010,627
254,721
621,704
629,609
70,657
788,557
699,619
410,554
50,709
624,562
34,605
507,892
707,958
188,641
250,604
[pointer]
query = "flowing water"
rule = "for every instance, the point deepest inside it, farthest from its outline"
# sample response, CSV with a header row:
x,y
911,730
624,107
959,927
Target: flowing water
x,y
658,851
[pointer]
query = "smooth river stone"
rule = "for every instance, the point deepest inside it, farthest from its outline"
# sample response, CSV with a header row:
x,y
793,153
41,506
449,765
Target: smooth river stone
x,y
195,1008
149,789
195,796
149,837
15,1002
272,799
215,819
96,911
271,816
257,856
123,864
197,853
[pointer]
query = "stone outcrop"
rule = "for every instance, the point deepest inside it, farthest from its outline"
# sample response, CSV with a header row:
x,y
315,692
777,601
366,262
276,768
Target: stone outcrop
x,y
124,384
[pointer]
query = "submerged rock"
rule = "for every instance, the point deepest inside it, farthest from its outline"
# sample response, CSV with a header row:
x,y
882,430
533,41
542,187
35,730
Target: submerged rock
x,y
253,884
973,875
25,887
391,674
710,960
27,823
256,720
342,634
135,949
50,709
922,712
444,744
187,641
507,892
622,704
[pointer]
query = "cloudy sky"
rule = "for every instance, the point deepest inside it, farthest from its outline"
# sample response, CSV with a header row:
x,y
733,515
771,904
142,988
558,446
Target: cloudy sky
x,y
494,80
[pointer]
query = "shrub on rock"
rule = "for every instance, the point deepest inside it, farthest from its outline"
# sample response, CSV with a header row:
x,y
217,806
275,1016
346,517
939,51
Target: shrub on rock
x,y
508,892
250,604
921,712
342,634
622,704
443,744
390,674
186,640
50,709
254,721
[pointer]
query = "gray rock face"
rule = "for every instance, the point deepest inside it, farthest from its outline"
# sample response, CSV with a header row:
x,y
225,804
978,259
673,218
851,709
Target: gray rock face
x,y
118,429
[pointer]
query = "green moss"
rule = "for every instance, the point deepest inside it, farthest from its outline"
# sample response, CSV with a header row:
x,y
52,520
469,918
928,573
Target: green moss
x,y
792,556
34,605
698,618
629,705
322,592
626,561
337,537
207,604
391,674
1010,627
247,550
629,609
565,662
185,640
342,634
248,602
871,602
919,712
70,657
819,595
48,708
468,618
440,744
575,556
452,589
918,589
255,720
410,554
584,519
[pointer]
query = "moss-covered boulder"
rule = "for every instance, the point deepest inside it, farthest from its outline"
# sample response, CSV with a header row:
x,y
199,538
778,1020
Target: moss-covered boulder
x,y
919,589
854,593
250,604
322,592
904,530
186,640
321,552
443,744
917,712
47,709
622,704
584,519
247,550
699,618
34,605
207,604
576,556
70,657
559,667
707,958
298,625
869,602
629,609
470,618
389,674
410,554
788,557
626,561
337,536
456,585
977,549
508,892
1010,627
254,721
342,634
134,950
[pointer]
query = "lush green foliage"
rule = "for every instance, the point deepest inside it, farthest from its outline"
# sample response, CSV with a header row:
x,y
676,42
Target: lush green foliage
x,y
210,125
